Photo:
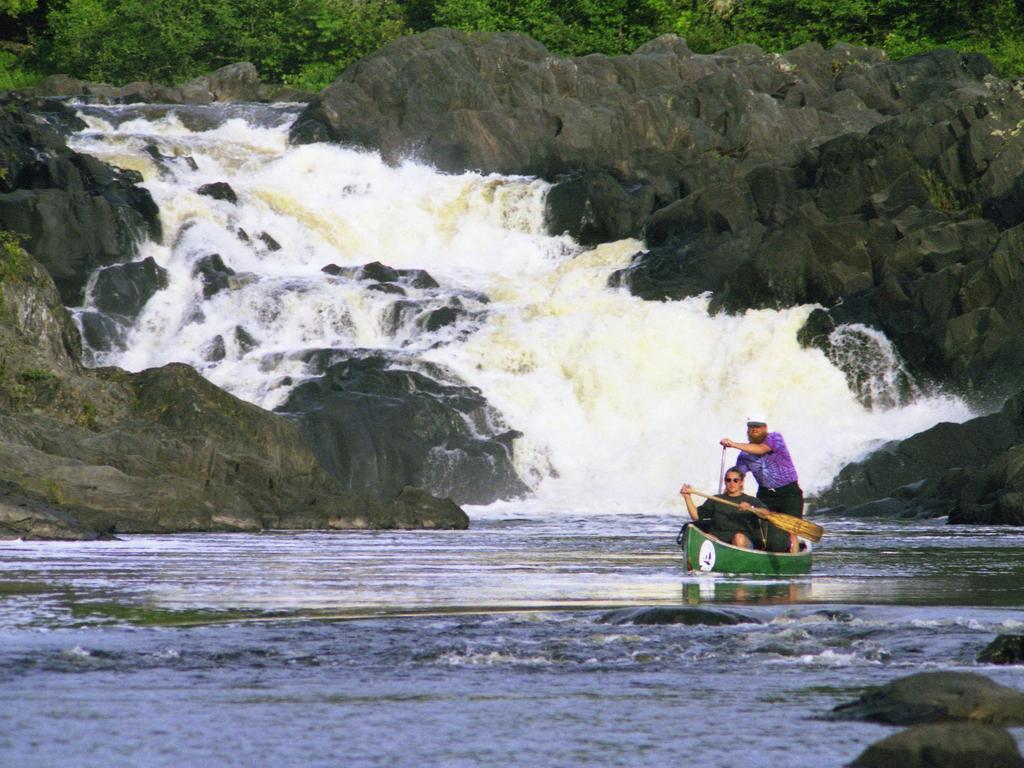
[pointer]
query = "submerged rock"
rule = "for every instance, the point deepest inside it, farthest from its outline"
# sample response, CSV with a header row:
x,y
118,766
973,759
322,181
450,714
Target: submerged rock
x,y
947,745
937,697
676,615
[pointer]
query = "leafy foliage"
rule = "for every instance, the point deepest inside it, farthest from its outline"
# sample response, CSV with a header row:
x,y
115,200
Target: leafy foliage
x,y
308,42
13,74
16,7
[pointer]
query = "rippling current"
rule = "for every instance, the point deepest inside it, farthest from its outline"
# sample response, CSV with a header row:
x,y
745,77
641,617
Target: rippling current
x,y
479,647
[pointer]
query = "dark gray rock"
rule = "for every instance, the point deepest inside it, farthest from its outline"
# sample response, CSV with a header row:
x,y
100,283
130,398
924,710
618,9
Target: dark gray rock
x,y
676,615
885,508
215,350
377,428
947,745
231,83
268,242
1005,649
219,190
419,509
103,332
124,289
234,82
246,341
503,103
937,697
595,208
77,214
214,273
382,273
969,471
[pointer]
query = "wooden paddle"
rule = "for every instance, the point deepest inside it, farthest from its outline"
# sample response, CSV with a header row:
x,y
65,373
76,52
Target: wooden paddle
x,y
788,523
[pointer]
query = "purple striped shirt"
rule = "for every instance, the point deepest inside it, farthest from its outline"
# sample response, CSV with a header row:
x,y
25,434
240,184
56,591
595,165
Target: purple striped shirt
x,y
772,470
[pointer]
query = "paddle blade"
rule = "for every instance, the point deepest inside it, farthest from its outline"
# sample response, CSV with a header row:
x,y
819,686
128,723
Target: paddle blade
x,y
791,524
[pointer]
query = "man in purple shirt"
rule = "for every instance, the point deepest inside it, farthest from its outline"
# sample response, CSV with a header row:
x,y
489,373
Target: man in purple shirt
x,y
767,458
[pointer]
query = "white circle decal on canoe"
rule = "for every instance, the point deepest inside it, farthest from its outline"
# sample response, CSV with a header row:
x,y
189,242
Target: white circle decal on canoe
x,y
706,556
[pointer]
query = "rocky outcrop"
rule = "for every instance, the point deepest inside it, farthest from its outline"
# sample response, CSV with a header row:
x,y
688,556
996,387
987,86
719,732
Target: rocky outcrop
x,y
89,452
948,745
502,103
937,697
238,82
973,472
377,425
29,517
76,213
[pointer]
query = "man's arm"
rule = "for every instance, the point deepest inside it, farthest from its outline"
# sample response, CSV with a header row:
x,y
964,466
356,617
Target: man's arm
x,y
757,449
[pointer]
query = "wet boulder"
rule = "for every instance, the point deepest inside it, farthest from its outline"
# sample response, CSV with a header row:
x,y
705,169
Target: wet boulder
x,y
214,274
503,103
218,190
268,242
1005,649
937,697
215,350
594,208
124,289
103,332
433,314
946,745
382,273
378,425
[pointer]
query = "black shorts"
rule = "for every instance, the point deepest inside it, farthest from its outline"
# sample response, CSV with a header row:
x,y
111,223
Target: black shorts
x,y
789,499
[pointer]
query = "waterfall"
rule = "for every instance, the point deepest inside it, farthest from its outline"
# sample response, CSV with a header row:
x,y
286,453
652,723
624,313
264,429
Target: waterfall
x,y
618,400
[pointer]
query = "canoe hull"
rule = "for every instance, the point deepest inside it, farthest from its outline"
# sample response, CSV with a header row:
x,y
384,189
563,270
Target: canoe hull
x,y
705,554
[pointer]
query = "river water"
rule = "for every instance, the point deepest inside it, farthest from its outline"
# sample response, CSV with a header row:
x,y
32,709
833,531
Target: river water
x,y
479,647
495,645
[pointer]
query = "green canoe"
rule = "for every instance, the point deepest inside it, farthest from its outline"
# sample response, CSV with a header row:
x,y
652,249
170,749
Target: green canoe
x,y
706,554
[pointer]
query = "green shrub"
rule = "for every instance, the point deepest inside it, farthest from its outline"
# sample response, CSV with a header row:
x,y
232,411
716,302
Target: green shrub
x,y
13,74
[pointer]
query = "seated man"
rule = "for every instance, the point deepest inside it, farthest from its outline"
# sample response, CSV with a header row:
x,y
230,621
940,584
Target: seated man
x,y
733,526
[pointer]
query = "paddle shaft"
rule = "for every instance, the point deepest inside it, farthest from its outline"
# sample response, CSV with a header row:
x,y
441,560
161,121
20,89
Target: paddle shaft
x,y
721,472
788,523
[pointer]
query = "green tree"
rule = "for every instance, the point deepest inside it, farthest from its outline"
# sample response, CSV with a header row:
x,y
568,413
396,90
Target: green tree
x,y
17,7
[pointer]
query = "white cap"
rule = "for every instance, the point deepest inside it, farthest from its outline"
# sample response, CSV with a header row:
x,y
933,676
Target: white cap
x,y
757,420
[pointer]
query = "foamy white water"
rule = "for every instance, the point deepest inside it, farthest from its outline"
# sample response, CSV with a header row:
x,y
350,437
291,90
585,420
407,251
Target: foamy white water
x,y
620,400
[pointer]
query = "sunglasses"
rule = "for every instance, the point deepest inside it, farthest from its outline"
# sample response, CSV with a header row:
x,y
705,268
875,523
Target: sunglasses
x,y
734,479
